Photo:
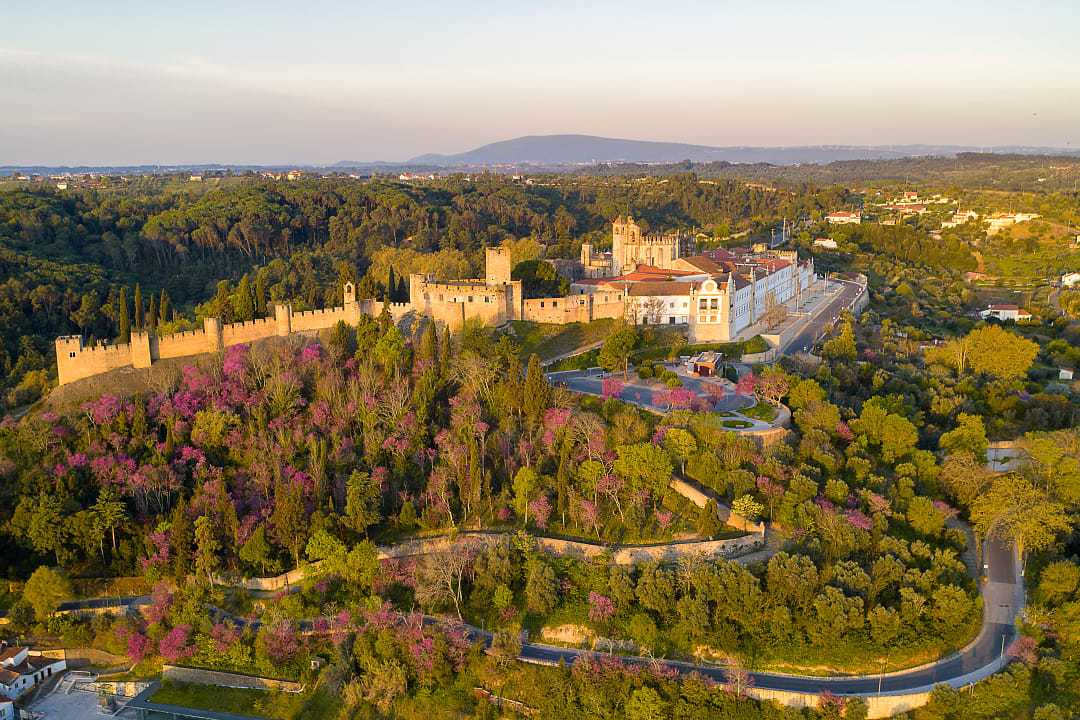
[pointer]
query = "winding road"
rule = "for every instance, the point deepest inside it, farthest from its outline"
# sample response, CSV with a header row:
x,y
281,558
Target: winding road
x,y
1003,600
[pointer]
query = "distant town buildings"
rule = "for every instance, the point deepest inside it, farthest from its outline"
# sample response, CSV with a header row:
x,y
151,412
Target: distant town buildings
x,y
1070,279
827,243
959,218
844,217
999,221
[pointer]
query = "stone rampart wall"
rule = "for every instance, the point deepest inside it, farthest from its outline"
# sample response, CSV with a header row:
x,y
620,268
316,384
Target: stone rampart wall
x,y
192,342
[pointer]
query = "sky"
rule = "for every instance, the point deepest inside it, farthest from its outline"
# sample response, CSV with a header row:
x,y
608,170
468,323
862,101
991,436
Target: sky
x,y
318,81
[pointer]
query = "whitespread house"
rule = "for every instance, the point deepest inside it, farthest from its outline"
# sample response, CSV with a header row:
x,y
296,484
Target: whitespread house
x,y
20,671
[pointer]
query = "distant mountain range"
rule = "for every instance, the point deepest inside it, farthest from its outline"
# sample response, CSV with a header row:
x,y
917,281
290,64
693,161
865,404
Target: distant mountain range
x,y
561,150
561,153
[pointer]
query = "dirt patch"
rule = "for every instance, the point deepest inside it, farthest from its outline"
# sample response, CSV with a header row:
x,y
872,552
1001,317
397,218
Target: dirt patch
x,y
569,634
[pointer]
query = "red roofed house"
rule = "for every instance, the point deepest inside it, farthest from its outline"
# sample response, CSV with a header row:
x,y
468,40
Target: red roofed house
x,y
20,671
1005,312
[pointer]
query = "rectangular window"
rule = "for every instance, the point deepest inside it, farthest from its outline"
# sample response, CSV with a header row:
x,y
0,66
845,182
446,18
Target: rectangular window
x,y
554,303
541,303
714,304
470,298
71,354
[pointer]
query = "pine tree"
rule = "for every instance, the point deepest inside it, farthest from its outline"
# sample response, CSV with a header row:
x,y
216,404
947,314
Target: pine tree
x,y
163,307
138,308
123,334
386,320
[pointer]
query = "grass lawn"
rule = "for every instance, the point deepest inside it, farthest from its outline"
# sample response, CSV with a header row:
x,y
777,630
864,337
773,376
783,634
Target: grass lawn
x,y
737,424
258,703
762,411
549,341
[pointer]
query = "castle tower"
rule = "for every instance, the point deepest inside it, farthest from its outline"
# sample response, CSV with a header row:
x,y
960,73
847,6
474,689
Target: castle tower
x,y
141,356
586,255
68,349
349,294
283,319
497,264
212,328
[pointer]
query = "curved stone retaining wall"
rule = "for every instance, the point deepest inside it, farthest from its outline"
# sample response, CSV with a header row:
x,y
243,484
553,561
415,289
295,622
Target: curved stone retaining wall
x,y
227,679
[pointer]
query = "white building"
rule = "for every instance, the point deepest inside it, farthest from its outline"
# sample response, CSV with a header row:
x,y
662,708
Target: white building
x,y
20,671
999,221
1005,312
1070,279
718,296
827,243
844,217
7,710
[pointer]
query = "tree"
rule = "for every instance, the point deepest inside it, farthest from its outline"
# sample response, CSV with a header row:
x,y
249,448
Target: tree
x,y
525,481
841,347
123,334
535,393
139,317
539,279
256,552
775,312
164,308
384,682
772,384
998,352
747,507
206,544
45,590
42,523
645,704
924,517
362,498
244,304
617,348
288,523
109,512
1014,509
540,597
969,436
441,576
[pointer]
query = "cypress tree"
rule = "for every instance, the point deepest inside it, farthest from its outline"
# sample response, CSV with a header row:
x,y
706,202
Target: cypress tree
x,y
163,307
152,316
245,303
391,287
123,334
444,349
260,294
535,393
138,308
403,289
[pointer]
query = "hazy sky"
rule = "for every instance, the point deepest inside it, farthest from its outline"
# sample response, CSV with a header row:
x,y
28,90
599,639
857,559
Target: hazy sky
x,y
316,81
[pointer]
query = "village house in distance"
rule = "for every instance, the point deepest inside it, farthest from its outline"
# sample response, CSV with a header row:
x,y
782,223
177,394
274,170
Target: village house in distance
x,y
719,296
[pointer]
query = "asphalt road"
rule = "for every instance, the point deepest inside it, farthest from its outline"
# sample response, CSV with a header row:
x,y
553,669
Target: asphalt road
x,y
1002,602
820,323
1002,605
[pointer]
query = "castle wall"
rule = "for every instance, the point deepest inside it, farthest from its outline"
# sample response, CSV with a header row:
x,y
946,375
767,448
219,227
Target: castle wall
x,y
454,303
249,331
191,342
88,360
319,319
560,310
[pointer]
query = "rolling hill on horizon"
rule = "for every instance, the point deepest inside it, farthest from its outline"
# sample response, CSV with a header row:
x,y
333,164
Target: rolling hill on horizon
x,y
549,150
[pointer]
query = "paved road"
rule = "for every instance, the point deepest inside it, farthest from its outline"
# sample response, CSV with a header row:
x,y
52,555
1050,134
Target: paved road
x,y
1002,599
820,323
